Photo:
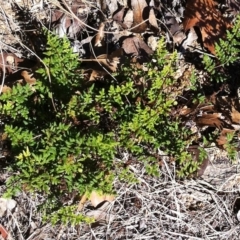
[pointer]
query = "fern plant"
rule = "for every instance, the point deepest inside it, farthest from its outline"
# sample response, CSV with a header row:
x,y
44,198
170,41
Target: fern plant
x,y
222,70
65,133
227,53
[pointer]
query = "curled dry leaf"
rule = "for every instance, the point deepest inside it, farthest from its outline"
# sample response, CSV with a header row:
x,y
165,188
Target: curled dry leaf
x,y
140,14
178,37
3,207
11,204
28,77
204,14
99,215
62,24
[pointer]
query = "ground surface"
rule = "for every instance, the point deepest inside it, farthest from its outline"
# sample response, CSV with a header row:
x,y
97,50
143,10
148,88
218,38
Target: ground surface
x,y
162,208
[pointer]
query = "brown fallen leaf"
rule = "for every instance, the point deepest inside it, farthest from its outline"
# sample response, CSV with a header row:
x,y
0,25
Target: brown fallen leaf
x,y
118,16
204,14
81,202
178,37
153,20
28,77
229,106
140,14
128,19
6,89
185,111
100,36
174,28
207,108
109,61
222,139
64,23
96,74
235,116
210,120
196,108
96,198
135,46
191,39
9,62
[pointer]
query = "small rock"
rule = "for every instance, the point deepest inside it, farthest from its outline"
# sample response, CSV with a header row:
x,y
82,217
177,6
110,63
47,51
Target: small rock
x,y
11,204
6,204
3,207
